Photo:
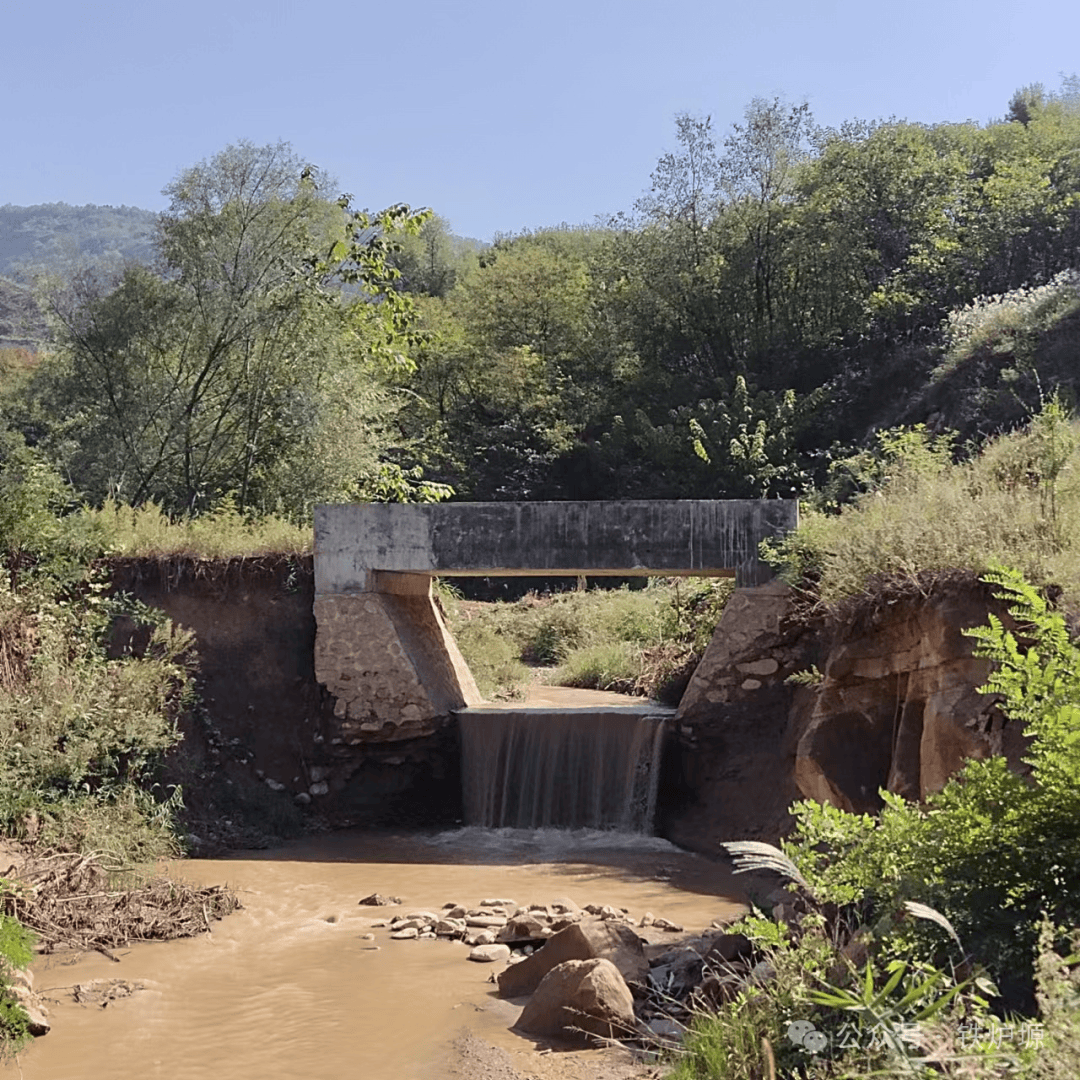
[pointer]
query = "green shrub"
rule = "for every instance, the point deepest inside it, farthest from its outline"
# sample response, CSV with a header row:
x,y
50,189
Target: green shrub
x,y
82,737
614,666
992,850
16,952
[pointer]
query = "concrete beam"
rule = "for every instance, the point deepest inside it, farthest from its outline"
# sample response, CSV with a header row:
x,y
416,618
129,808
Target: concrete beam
x,y
381,647
708,538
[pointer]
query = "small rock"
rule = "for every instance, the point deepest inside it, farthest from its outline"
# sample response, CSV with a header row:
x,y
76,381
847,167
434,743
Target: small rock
x,y
485,921
406,934
38,1018
487,954
367,937
498,903
663,1028
302,798
273,784
317,773
450,927
457,912
646,919
728,948
378,900
321,788
667,924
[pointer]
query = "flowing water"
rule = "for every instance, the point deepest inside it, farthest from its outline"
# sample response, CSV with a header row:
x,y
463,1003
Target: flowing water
x,y
290,987
564,767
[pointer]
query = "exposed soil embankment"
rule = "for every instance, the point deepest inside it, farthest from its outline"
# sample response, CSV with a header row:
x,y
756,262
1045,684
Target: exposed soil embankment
x,y
895,705
261,750
791,703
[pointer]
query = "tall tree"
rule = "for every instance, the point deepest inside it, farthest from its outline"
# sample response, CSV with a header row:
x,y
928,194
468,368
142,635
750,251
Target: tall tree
x,y
242,369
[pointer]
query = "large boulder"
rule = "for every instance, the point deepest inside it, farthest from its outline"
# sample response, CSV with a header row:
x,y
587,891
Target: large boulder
x,y
587,940
580,998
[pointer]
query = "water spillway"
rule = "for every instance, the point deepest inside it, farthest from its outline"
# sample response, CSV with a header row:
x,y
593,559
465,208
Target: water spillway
x,y
531,768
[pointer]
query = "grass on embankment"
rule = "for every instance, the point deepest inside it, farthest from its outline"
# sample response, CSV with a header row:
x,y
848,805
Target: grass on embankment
x,y
222,533
1017,504
638,641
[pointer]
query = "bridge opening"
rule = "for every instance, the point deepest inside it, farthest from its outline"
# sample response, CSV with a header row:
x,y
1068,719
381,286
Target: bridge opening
x,y
386,654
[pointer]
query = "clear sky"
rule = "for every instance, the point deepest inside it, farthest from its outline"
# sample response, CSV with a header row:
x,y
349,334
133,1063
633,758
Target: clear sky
x,y
500,115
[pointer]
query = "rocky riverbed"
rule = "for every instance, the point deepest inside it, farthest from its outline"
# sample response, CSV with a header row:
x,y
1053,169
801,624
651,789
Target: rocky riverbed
x,y
295,977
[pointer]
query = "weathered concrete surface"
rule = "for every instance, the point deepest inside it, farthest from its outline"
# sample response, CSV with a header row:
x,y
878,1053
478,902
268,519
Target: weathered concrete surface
x,y
718,538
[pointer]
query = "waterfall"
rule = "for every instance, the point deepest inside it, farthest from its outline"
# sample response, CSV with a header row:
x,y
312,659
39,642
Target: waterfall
x,y
563,768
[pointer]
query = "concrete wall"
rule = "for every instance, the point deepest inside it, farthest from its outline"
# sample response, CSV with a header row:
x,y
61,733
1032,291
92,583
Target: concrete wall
x,y
714,538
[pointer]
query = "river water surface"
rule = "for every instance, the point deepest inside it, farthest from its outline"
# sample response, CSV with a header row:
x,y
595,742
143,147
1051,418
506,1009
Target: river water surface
x,y
290,987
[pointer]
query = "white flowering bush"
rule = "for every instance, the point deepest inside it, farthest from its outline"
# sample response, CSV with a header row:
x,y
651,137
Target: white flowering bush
x,y
1006,323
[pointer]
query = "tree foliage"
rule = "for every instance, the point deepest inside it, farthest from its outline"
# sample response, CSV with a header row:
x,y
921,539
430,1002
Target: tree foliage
x,y
242,367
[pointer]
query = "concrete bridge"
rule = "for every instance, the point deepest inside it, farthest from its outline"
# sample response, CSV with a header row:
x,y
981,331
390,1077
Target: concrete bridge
x,y
381,647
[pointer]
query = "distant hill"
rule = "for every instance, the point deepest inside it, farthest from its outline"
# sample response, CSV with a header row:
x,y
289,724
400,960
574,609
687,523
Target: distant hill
x,y
61,238
55,236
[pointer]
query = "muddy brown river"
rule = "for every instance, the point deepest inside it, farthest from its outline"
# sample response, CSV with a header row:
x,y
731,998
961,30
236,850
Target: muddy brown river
x,y
290,986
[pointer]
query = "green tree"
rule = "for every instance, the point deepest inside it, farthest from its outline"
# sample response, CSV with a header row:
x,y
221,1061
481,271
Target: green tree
x,y
244,369
432,260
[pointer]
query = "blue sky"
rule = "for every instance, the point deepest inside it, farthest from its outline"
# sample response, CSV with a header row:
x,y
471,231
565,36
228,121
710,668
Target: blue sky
x,y
501,116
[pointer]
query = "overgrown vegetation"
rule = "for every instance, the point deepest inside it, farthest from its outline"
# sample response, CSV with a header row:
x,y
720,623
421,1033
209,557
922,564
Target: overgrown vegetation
x,y
643,641
912,508
981,982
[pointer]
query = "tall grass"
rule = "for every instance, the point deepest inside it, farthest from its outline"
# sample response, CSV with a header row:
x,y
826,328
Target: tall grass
x,y
630,640
1009,323
1017,504
147,531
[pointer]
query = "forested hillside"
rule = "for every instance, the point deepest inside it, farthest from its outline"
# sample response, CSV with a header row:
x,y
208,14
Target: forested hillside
x,y
56,236
778,293
780,290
